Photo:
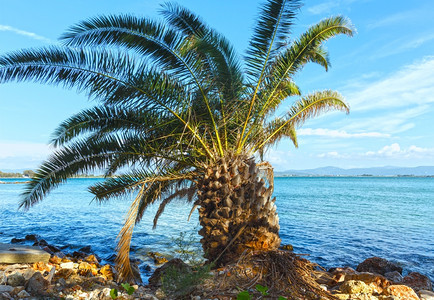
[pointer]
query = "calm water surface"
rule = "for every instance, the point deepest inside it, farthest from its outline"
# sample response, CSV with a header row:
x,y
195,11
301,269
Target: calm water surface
x,y
338,221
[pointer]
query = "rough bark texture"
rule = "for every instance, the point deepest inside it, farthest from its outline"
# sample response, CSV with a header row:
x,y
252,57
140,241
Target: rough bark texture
x,y
236,210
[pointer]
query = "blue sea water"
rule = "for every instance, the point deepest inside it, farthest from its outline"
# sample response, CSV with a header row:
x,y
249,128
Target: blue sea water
x,y
337,221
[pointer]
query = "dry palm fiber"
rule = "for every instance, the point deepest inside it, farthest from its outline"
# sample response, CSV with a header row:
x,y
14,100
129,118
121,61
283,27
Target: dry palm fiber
x,y
284,273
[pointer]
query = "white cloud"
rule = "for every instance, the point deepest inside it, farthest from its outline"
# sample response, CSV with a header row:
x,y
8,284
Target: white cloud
x,y
9,149
25,33
328,6
340,133
393,151
411,86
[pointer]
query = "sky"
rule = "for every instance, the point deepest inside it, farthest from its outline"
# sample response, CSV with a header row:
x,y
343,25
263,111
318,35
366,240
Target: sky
x,y
385,72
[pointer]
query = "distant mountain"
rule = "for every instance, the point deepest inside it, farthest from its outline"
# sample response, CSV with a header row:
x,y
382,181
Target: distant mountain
x,y
378,171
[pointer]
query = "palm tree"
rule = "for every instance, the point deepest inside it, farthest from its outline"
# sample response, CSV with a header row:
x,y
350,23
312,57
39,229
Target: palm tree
x,y
183,115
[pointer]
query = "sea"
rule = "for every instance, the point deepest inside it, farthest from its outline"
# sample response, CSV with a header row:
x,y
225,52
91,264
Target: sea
x,y
333,221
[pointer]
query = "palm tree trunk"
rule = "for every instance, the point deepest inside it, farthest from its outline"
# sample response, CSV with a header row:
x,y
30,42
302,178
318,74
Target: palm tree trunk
x,y
236,211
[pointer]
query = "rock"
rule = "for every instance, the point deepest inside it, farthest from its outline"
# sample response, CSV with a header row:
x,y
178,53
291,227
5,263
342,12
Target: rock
x,y
378,265
17,289
107,272
86,269
36,284
16,279
67,265
65,273
157,257
175,264
401,292
23,294
13,254
91,259
60,254
337,275
41,243
55,260
394,276
425,295
3,278
377,282
48,250
6,289
41,266
28,273
51,275
355,287
31,237
417,281
111,258
16,241
86,249
5,296
287,247
61,282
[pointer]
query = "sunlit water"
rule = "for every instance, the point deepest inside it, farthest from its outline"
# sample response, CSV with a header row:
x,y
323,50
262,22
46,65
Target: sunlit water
x,y
338,221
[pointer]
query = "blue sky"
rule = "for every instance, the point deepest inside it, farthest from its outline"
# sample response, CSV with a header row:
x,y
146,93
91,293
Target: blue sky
x,y
386,73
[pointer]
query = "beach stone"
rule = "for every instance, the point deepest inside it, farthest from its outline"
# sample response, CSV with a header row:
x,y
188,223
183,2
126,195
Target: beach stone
x,y
5,296
338,275
36,284
41,266
16,279
23,294
15,254
394,276
67,265
51,275
28,273
41,243
60,254
107,272
86,249
3,278
15,240
6,288
378,265
65,273
425,295
17,289
175,264
31,237
91,259
417,281
355,287
55,260
377,282
402,292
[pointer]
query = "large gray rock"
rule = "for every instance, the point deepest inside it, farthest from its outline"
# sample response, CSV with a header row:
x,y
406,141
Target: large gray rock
x,y
37,284
19,254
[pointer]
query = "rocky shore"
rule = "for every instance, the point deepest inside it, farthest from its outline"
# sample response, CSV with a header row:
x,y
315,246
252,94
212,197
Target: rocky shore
x,y
81,275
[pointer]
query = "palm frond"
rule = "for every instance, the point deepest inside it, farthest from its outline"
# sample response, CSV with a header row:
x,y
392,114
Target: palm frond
x,y
82,156
270,34
306,49
308,107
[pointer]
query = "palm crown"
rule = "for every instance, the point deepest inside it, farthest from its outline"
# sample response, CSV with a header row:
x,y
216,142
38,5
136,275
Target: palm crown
x,y
175,99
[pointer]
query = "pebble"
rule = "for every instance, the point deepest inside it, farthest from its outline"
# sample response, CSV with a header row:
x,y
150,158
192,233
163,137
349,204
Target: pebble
x,y
67,265
6,288
23,294
16,279
426,295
